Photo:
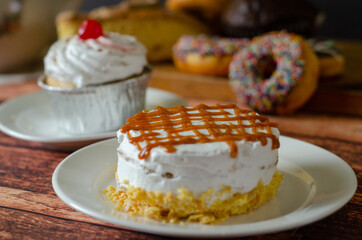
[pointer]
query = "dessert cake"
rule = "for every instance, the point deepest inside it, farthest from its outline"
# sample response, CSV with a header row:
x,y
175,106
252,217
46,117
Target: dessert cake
x,y
197,164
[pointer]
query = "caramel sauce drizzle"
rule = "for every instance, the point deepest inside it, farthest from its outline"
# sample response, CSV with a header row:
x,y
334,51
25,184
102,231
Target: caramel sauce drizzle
x,y
180,119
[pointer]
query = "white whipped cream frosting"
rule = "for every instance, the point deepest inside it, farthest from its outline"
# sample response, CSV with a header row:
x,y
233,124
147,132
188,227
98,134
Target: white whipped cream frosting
x,y
198,167
95,61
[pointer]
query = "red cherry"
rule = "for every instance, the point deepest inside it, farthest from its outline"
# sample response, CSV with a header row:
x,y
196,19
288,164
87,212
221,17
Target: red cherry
x,y
90,29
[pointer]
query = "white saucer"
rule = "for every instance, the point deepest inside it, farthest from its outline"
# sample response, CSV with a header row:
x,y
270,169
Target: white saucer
x,y
30,118
19,77
316,184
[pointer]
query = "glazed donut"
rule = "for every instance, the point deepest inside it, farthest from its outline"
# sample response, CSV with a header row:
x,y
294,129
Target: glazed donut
x,y
330,57
204,9
276,73
206,55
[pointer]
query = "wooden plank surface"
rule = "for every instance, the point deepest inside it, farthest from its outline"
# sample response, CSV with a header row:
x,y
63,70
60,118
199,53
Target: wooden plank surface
x,y
29,206
30,209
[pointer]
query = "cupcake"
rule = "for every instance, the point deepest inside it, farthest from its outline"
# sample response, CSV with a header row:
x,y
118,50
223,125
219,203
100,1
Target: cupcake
x,y
95,80
197,164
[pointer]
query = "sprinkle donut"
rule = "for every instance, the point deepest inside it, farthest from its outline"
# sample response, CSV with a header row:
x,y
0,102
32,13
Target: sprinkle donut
x,y
206,55
276,73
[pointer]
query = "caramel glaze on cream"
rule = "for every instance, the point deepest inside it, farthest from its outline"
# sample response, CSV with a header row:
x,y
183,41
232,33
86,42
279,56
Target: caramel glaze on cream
x,y
177,120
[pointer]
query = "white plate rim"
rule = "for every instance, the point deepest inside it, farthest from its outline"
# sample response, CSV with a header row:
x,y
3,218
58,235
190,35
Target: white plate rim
x,y
6,105
255,228
12,78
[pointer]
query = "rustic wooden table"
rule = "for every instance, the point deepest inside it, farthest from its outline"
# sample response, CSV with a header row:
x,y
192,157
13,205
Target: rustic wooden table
x,y
30,209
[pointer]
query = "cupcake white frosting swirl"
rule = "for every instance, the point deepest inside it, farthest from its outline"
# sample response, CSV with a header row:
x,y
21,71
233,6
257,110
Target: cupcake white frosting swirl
x,y
95,61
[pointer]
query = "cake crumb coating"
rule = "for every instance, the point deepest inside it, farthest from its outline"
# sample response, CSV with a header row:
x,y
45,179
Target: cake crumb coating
x,y
170,208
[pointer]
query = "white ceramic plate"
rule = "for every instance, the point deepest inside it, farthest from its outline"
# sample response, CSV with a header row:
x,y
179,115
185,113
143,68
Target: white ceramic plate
x,y
19,77
316,184
30,117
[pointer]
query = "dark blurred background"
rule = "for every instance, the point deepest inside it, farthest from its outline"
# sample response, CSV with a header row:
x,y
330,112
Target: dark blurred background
x,y
343,17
